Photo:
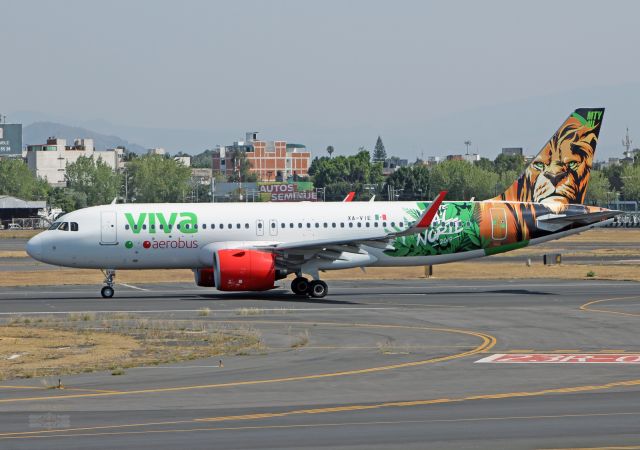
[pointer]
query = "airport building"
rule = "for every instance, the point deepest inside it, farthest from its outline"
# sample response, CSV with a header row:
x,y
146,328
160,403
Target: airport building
x,y
49,161
269,160
512,151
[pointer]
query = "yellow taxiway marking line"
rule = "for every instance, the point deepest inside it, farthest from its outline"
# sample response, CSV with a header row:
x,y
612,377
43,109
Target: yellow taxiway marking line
x,y
633,447
587,306
488,342
93,431
45,388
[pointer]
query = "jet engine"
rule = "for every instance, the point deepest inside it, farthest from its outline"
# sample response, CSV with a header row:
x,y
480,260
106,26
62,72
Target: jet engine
x,y
245,270
204,277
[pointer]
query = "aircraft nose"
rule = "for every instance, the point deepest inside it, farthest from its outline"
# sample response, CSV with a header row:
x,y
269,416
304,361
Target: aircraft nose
x,y
34,247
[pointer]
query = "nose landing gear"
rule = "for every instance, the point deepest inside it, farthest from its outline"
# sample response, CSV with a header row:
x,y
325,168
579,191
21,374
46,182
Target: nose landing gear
x,y
314,289
108,291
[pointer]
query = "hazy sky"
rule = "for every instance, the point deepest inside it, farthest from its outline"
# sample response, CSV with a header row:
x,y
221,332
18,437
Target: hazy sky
x,y
322,72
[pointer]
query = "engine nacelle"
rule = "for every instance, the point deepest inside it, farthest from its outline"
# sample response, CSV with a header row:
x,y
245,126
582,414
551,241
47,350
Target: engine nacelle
x,y
204,277
244,270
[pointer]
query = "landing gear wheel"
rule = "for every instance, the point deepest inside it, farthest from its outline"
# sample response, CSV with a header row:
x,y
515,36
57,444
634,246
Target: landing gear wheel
x,y
107,292
300,286
318,289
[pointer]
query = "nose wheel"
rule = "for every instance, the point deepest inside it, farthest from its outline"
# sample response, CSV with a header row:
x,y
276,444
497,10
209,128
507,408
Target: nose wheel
x,y
108,291
314,289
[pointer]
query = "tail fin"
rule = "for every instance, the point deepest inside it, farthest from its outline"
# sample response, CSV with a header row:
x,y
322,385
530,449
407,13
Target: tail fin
x,y
560,172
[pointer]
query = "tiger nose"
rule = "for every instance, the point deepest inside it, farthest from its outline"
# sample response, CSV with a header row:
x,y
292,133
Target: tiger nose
x,y
555,178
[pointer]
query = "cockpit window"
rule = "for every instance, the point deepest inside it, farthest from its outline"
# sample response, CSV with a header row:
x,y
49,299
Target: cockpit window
x,y
54,225
64,226
74,226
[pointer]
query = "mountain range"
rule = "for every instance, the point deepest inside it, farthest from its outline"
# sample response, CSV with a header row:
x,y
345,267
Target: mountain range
x,y
38,132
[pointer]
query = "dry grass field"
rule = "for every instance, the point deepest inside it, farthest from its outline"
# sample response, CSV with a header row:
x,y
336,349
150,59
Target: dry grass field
x,y
87,342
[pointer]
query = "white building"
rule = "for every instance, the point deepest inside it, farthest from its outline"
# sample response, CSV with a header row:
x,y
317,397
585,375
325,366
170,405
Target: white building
x,y
49,161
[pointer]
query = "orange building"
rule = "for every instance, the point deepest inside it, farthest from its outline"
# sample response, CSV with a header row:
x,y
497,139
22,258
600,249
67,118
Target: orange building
x,y
270,161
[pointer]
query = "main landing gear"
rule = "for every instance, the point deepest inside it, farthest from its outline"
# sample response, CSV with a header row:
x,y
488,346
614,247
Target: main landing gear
x,y
314,289
108,291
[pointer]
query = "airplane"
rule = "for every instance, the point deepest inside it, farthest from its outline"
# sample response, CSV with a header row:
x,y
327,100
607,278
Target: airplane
x,y
248,247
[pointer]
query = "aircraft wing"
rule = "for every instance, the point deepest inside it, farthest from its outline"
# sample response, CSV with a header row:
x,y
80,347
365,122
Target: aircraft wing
x,y
332,248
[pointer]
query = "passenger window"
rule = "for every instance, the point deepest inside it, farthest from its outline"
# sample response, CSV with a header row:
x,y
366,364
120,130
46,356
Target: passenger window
x,y
64,226
161,226
308,225
299,225
341,224
170,226
333,224
325,225
178,226
366,224
204,226
144,226
74,226
359,225
221,226
238,226
195,226
230,226
317,225
384,224
400,224
153,227
291,225
393,224
283,225
375,224
246,225
259,224
126,227
350,224
273,224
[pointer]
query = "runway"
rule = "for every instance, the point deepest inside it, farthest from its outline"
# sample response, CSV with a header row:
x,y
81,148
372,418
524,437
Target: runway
x,y
391,364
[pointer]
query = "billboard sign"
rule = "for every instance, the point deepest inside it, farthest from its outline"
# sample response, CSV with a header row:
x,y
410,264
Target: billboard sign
x,y
288,192
10,139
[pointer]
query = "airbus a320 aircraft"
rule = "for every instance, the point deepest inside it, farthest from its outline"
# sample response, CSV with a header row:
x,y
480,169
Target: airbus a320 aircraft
x,y
248,246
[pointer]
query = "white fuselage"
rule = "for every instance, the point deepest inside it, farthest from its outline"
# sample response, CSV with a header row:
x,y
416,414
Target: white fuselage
x,y
146,236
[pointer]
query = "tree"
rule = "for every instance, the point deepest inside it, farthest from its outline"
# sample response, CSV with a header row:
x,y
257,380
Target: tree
x,y
17,180
464,180
155,179
631,182
598,190
509,162
379,152
94,178
343,174
242,168
203,160
413,183
330,150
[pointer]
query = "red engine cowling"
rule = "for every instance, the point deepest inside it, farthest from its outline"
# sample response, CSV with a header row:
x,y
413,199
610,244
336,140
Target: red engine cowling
x,y
204,277
244,270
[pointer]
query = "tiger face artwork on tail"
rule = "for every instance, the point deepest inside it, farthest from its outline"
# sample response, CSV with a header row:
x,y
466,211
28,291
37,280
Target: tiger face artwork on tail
x,y
559,174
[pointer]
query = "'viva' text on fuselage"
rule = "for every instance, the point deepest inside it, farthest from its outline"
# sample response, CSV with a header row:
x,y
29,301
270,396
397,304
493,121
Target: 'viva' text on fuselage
x,y
158,221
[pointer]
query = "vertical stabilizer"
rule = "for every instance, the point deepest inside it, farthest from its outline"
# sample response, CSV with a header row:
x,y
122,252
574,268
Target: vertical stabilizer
x,y
560,172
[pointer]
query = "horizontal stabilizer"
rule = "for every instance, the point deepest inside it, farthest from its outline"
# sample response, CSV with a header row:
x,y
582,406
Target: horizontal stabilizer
x,y
554,222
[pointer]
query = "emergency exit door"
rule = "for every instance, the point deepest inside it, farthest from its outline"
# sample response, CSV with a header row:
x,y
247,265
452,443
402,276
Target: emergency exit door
x,y
109,228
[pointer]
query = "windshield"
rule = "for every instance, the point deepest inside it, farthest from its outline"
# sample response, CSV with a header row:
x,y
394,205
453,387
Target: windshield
x,y
54,225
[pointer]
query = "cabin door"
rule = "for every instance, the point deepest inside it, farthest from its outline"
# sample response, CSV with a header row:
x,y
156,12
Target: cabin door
x,y
109,228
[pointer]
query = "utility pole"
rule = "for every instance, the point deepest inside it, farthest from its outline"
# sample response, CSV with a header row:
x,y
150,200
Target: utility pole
x,y
626,142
